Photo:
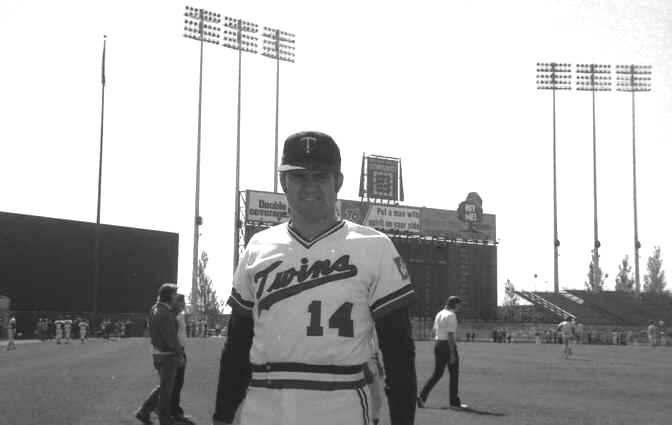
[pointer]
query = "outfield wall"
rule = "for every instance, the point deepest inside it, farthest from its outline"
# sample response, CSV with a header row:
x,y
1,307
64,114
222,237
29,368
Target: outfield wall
x,y
47,264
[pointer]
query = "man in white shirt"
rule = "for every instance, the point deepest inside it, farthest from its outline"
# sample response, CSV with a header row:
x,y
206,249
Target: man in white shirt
x,y
445,353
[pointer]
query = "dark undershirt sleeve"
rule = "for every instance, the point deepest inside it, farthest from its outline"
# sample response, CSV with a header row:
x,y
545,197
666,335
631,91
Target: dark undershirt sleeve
x,y
234,367
396,344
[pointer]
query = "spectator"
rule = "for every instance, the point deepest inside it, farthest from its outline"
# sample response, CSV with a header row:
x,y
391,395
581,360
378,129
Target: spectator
x,y
167,354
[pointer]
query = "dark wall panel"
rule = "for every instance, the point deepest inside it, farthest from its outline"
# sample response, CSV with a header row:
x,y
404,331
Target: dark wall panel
x,y
47,264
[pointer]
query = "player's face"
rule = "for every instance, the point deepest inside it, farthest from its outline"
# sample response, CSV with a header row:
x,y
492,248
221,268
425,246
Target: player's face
x,y
312,194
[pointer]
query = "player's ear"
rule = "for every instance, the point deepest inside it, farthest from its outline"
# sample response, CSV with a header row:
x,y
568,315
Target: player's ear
x,y
283,182
339,181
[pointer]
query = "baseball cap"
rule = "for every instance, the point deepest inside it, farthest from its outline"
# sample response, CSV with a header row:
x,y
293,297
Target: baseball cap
x,y
452,300
310,150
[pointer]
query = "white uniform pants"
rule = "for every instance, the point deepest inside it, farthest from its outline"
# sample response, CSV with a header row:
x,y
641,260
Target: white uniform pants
x,y
11,345
264,406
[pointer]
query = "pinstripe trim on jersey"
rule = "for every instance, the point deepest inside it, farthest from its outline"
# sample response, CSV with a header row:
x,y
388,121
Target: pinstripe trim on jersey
x,y
241,306
390,302
308,368
365,405
308,243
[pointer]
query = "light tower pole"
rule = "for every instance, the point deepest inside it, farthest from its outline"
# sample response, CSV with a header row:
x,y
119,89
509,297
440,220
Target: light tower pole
x,y
278,45
634,78
554,76
593,77
239,36
198,26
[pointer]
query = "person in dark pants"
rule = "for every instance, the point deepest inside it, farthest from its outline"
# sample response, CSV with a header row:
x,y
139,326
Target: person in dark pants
x,y
167,355
445,353
178,412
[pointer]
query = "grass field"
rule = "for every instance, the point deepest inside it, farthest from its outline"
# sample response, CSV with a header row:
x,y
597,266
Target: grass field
x,y
102,383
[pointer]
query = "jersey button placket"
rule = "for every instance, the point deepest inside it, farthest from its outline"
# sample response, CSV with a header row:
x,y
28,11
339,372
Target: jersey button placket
x,y
268,374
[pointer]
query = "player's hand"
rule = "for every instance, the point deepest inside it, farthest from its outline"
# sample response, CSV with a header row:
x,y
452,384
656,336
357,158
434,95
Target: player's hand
x,y
452,360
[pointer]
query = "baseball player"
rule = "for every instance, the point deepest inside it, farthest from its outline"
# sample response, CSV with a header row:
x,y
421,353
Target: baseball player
x,y
566,329
83,326
11,333
651,332
59,330
67,327
306,298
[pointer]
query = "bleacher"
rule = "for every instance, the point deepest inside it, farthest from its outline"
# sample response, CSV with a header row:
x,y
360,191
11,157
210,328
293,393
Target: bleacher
x,y
632,310
565,304
584,311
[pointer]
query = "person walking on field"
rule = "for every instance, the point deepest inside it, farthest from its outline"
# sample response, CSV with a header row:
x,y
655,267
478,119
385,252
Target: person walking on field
x,y
11,333
167,356
445,353
567,330
178,412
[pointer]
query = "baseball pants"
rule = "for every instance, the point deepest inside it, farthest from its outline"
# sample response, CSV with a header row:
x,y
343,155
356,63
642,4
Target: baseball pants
x,y
375,380
265,406
11,345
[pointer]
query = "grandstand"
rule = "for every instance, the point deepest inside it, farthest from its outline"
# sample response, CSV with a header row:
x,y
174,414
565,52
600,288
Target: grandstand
x,y
604,308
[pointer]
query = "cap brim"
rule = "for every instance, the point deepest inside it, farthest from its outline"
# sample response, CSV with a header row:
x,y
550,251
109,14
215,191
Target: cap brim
x,y
287,167
307,167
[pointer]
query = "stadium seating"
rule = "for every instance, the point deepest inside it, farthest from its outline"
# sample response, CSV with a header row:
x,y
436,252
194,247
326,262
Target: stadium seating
x,y
561,304
632,310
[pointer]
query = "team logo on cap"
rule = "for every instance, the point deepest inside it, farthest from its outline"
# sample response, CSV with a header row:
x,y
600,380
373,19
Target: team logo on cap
x,y
308,140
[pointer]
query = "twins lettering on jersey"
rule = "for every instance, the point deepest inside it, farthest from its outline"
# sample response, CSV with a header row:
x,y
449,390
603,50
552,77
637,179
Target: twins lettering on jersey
x,y
307,276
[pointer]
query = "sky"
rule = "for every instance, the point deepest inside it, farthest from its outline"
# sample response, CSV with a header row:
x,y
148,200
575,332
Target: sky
x,y
448,87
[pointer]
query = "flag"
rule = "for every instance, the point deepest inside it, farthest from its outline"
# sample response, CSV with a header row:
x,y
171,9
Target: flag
x,y
103,67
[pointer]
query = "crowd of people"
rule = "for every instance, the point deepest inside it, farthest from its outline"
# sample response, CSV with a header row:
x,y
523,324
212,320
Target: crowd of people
x,y
65,329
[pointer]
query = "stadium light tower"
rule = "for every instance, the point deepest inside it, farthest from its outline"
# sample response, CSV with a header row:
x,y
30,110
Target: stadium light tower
x,y
634,78
278,45
239,36
593,77
554,76
198,25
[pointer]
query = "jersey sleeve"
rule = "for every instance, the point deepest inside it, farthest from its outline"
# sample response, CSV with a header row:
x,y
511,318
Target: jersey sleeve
x,y
242,295
391,288
451,323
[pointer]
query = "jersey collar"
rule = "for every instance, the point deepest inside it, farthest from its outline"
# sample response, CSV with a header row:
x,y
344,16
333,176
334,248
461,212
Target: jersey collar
x,y
309,243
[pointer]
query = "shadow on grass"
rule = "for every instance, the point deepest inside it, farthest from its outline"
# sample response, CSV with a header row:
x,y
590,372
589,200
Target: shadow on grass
x,y
466,410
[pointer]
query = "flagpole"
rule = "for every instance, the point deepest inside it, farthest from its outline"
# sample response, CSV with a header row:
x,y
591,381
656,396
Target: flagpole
x,y
96,248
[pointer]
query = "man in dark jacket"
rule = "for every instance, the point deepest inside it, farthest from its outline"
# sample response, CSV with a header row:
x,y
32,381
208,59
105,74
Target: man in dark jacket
x,y
167,355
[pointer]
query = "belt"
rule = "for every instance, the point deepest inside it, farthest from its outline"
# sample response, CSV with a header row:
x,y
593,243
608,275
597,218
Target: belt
x,y
305,376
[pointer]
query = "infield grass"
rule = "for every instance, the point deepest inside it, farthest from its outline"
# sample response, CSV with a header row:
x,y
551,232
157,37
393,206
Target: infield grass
x,y
102,383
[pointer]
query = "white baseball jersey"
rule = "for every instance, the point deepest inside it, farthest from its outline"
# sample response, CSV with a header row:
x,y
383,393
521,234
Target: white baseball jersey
x,y
314,303
566,328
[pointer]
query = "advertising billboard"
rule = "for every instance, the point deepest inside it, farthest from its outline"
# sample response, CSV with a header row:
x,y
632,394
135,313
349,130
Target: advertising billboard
x,y
268,209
